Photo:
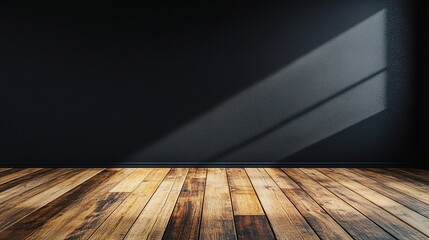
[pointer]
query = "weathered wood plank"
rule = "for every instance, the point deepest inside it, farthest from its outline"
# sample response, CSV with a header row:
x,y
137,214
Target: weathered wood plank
x,y
285,219
354,222
14,213
387,191
323,224
81,218
186,217
217,219
414,189
132,181
15,173
249,217
30,223
158,210
23,184
120,221
399,229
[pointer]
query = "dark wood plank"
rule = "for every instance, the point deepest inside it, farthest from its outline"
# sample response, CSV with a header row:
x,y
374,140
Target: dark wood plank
x,y
323,224
249,217
253,227
409,174
420,173
186,217
354,222
333,181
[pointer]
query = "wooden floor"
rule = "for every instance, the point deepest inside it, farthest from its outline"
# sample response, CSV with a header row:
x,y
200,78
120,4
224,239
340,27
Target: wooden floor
x,y
214,203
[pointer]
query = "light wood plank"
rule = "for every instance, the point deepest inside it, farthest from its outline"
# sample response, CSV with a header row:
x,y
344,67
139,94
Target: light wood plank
x,y
249,217
285,219
158,210
384,219
354,222
323,224
13,214
132,181
217,219
407,215
186,217
119,222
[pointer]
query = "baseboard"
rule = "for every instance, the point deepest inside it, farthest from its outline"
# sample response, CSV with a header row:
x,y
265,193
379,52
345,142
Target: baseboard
x,y
215,164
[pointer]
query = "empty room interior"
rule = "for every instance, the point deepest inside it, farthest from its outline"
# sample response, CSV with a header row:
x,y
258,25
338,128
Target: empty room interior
x,y
214,120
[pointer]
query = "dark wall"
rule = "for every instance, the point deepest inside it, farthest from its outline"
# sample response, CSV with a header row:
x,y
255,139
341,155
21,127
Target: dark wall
x,y
422,76
86,84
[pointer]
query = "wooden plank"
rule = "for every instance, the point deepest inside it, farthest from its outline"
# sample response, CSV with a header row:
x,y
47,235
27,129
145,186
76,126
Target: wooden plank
x,y
186,217
384,219
414,189
387,191
408,174
12,214
81,218
285,219
157,212
354,222
420,173
132,181
217,219
323,224
4,169
23,180
407,215
119,222
249,217
14,173
30,223
28,182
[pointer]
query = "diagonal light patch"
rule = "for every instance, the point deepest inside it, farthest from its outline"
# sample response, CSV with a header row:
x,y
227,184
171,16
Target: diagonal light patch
x,y
230,131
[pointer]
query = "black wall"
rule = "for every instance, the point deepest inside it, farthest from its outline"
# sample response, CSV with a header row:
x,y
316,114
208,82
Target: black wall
x,y
94,84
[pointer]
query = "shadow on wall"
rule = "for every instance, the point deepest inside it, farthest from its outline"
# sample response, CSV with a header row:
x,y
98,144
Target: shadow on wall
x,y
329,89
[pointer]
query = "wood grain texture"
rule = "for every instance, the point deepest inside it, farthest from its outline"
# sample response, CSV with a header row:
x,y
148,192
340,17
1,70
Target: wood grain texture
x,y
249,217
384,219
215,203
217,219
14,173
407,215
186,217
23,208
82,216
323,224
285,219
387,191
354,222
158,210
120,221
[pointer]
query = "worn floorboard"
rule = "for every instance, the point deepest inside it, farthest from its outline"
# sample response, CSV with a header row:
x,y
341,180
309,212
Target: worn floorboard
x,y
214,203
